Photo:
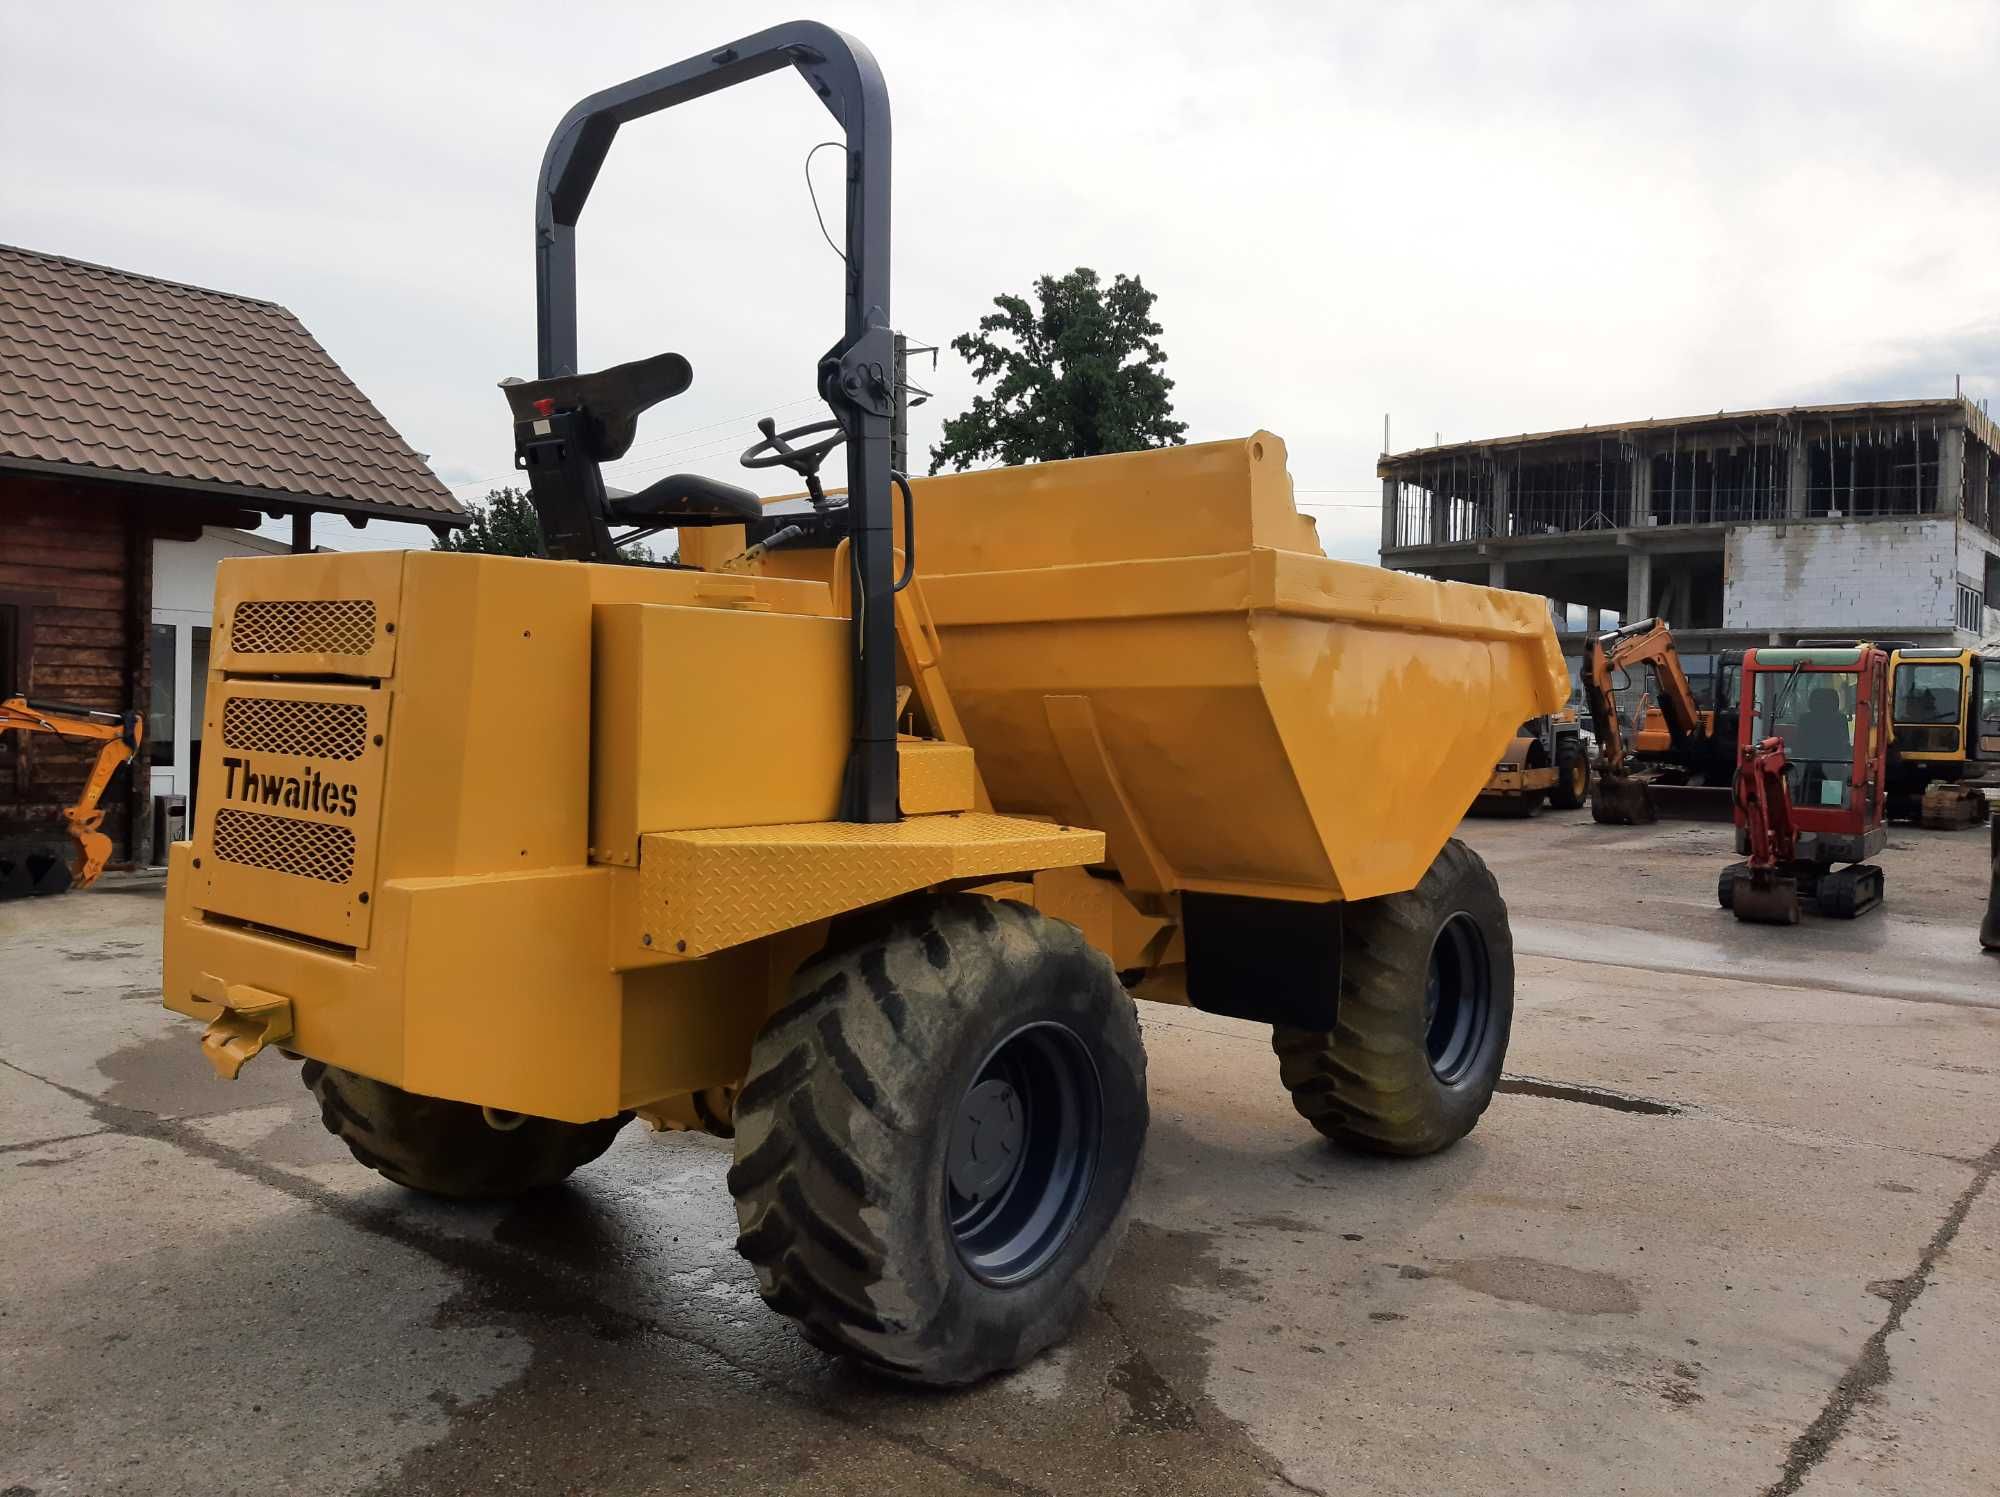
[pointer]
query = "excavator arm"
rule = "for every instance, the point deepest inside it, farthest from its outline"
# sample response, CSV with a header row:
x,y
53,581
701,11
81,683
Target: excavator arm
x,y
120,736
1764,808
1646,642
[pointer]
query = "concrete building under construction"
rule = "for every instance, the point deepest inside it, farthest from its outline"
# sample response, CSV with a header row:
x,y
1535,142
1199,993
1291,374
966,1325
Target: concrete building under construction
x,y
1879,520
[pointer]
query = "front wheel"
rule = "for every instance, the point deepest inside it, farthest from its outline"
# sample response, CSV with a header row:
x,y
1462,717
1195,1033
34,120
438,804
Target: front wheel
x,y
937,1139
1420,1031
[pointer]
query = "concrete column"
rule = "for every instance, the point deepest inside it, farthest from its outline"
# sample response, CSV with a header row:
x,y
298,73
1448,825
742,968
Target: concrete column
x,y
1677,596
1440,517
1642,490
1951,471
1496,574
1798,478
1503,487
1638,586
1391,493
1558,616
1593,619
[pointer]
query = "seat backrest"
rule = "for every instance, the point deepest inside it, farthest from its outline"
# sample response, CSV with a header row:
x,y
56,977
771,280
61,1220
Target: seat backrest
x,y
613,398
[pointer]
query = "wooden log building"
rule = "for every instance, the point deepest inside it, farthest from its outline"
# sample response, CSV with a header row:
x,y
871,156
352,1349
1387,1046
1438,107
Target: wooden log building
x,y
137,414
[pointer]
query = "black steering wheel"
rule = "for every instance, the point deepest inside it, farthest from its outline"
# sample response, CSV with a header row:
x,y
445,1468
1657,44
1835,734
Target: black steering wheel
x,y
776,450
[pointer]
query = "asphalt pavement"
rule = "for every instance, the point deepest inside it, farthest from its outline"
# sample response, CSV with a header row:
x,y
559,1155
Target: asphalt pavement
x,y
1730,1228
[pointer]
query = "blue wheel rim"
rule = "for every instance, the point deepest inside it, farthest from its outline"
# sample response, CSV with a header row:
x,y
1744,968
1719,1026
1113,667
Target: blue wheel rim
x,y
1022,1153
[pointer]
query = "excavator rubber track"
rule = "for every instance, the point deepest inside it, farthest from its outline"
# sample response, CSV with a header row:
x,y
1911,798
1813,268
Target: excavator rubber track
x,y
34,873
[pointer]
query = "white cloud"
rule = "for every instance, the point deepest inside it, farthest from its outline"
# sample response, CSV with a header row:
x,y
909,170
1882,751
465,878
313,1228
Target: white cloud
x,y
1480,219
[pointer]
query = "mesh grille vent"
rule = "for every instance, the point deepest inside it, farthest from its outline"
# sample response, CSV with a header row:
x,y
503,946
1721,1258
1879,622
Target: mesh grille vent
x,y
279,725
345,626
284,844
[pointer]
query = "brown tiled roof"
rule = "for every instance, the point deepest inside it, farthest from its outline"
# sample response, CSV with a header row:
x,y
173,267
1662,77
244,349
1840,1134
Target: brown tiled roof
x,y
120,374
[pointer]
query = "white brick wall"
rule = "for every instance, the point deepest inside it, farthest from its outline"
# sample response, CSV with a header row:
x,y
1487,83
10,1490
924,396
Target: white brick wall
x,y
1975,549
1835,576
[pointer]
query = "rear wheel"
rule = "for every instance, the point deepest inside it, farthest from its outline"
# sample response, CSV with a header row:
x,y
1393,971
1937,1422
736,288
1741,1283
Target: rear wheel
x,y
1420,1031
937,1139
1572,787
450,1148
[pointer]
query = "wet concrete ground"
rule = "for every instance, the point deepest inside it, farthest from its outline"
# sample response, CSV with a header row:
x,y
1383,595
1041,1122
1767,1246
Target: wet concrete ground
x,y
1730,1229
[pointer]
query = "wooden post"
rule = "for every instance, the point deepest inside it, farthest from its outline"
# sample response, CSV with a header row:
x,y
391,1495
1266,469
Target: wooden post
x,y
139,676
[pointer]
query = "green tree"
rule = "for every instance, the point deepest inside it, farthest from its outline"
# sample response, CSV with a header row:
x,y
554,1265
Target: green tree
x,y
504,524
1079,374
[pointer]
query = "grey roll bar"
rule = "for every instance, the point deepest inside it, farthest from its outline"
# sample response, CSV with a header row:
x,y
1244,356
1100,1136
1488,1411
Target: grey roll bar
x,y
856,377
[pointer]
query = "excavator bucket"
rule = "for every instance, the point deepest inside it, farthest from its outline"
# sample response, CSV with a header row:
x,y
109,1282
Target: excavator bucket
x,y
1692,802
1621,800
1772,902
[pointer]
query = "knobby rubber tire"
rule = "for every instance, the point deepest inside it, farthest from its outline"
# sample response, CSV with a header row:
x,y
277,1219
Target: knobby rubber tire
x,y
1368,1085
846,1116
446,1148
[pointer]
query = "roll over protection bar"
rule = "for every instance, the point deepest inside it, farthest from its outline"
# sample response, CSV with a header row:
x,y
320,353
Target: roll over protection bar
x,y
856,377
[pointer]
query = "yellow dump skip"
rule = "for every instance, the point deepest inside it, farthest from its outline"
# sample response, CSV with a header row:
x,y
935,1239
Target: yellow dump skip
x,y
1258,719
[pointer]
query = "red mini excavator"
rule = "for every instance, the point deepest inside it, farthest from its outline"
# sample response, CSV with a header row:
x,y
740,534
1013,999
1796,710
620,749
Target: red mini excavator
x,y
1811,783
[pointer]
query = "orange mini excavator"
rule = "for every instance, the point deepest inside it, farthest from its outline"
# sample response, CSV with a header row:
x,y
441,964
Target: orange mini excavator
x,y
48,872
1622,793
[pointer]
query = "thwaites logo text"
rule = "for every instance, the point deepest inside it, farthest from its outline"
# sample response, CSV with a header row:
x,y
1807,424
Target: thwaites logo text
x,y
310,791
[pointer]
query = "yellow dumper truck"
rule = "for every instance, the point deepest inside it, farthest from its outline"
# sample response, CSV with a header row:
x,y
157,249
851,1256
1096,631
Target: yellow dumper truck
x,y
853,835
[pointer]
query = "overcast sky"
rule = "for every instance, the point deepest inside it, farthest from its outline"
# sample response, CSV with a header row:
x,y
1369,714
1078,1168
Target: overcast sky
x,y
1479,219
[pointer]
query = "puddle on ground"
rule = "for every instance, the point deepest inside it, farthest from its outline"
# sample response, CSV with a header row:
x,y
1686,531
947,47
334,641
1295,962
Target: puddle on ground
x,y
1553,1286
167,1077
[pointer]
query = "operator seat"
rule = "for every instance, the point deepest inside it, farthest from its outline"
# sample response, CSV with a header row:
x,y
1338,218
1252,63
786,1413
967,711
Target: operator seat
x,y
1823,733
612,401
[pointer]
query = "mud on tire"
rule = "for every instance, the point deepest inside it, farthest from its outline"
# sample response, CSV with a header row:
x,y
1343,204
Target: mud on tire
x,y
1420,1031
873,1202
447,1148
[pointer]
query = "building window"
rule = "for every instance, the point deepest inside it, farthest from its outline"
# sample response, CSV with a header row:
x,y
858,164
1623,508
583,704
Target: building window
x,y
1971,608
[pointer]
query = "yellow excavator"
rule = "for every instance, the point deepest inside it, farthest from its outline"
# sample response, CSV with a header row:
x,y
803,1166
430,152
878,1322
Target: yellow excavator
x,y
1936,745
119,736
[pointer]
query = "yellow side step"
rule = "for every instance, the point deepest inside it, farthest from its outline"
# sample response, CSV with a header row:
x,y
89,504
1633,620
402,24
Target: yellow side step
x,y
703,892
